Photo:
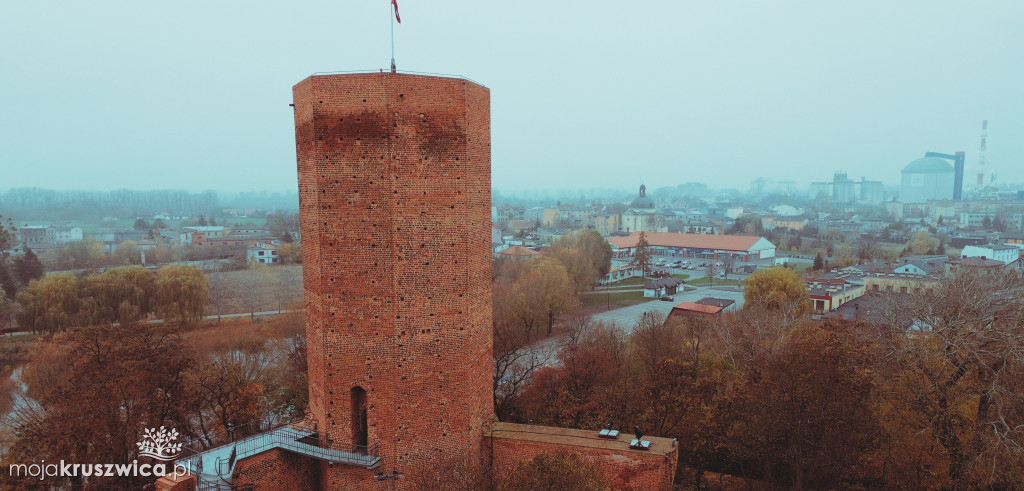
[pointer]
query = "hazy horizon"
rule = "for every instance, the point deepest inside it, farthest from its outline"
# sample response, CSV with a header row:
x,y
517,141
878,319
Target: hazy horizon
x,y
195,95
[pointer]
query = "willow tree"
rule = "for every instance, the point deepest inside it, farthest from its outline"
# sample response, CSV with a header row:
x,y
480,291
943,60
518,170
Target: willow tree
x,y
182,293
50,304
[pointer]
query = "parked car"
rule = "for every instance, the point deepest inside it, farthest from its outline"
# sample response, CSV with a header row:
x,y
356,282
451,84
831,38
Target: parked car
x,y
666,298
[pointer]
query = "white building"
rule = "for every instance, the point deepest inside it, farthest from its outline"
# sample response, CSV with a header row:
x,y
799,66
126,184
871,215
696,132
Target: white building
x,y
63,235
263,253
1005,253
642,215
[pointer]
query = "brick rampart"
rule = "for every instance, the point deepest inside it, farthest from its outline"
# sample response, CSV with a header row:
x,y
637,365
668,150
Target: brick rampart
x,y
508,444
278,470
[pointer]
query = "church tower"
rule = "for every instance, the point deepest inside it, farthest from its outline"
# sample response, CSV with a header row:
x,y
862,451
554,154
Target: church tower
x,y
394,191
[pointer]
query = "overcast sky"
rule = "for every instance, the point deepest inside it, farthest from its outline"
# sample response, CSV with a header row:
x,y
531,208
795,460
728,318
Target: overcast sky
x,y
194,94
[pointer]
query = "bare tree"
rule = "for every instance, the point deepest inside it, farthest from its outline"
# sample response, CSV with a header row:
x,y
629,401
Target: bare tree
x,y
962,346
219,292
727,264
254,285
515,361
710,270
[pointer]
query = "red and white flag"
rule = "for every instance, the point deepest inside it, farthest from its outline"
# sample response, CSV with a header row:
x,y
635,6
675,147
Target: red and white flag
x,y
397,17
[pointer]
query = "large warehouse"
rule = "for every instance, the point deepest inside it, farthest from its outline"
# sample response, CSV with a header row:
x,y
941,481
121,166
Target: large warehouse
x,y
742,247
927,179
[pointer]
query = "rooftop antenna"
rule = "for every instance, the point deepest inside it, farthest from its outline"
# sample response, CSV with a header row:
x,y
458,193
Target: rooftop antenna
x,y
393,19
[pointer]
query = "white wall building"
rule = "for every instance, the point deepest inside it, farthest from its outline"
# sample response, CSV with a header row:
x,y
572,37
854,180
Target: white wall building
x,y
1005,253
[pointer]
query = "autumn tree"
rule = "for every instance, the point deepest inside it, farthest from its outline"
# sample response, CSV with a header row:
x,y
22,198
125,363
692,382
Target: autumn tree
x,y
82,254
541,292
290,253
554,472
586,256
126,253
50,304
642,255
776,289
819,262
231,390
181,293
922,243
962,347
95,391
653,340
579,391
123,295
802,413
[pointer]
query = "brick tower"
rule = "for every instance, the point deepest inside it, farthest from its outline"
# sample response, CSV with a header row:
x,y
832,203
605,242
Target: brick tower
x,y
394,191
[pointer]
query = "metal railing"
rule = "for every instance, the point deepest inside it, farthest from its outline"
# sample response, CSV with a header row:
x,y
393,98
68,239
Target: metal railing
x,y
294,437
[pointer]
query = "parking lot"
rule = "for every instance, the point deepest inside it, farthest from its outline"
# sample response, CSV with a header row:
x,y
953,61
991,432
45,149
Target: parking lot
x,y
626,317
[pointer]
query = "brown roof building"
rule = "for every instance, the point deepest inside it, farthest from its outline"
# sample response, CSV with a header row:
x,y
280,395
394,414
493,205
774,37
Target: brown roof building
x,y
744,247
518,251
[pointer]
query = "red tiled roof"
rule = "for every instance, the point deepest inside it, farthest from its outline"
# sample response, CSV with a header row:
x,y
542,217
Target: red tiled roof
x,y
697,307
518,251
692,241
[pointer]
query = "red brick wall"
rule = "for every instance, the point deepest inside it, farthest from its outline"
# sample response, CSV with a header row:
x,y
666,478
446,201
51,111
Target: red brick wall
x,y
394,191
278,470
625,469
176,483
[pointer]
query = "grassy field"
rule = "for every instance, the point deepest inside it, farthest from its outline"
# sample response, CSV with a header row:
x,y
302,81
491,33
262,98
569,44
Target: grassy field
x,y
716,282
801,267
633,282
273,288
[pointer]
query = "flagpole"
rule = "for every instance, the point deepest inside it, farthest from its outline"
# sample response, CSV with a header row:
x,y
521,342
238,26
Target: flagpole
x,y
392,16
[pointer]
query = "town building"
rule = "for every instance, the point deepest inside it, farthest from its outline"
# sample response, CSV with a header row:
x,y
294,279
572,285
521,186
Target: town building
x,y
662,286
927,179
1005,253
740,247
37,236
830,290
642,215
922,268
262,253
